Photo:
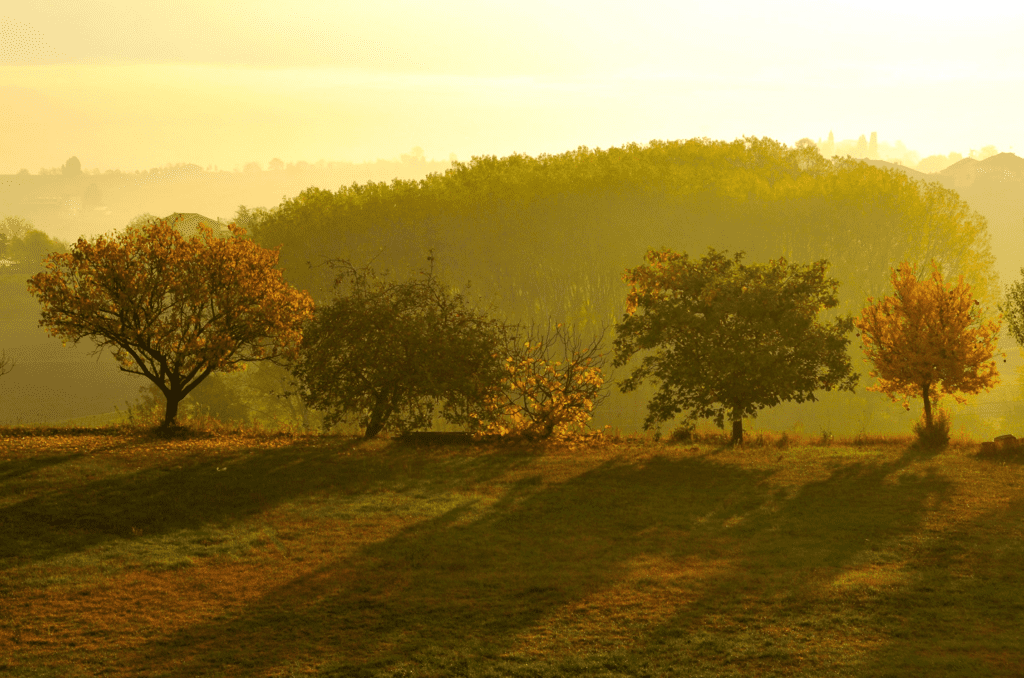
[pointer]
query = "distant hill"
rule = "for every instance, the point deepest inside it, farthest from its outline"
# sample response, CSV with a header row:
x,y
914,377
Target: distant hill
x,y
912,173
994,187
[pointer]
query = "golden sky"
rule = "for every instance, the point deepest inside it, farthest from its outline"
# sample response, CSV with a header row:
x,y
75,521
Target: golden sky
x,y
134,84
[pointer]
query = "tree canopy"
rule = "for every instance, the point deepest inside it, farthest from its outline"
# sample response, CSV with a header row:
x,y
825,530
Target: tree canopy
x,y
173,310
547,236
929,339
385,353
728,339
550,384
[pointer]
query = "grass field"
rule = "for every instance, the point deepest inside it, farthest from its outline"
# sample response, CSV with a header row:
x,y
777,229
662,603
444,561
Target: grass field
x,y
238,554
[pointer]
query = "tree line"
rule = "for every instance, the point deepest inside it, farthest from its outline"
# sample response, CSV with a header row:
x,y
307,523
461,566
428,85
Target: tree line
x,y
721,338
543,238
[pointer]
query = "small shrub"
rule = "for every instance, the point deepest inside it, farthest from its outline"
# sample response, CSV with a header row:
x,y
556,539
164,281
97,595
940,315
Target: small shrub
x,y
936,436
826,438
682,434
783,442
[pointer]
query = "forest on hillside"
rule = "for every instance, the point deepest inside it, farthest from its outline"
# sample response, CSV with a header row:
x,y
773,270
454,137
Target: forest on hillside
x,y
546,239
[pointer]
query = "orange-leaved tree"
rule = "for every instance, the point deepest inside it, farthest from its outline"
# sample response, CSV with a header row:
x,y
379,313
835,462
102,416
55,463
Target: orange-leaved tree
x,y
929,339
550,385
173,309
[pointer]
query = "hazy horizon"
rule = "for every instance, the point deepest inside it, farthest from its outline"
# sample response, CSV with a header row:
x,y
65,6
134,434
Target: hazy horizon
x,y
130,87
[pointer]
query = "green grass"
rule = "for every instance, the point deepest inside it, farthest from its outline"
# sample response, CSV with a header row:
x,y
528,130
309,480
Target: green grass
x,y
249,554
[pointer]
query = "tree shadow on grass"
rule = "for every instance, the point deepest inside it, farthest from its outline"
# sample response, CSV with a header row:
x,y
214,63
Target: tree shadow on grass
x,y
464,592
454,597
779,614
201,489
471,584
15,468
963,612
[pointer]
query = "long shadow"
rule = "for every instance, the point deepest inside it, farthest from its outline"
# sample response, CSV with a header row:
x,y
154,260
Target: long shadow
x,y
792,556
15,468
468,586
457,584
963,612
448,591
189,492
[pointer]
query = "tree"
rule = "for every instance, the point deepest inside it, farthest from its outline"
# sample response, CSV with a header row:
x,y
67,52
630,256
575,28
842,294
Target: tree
x,y
928,340
873,146
551,385
730,339
175,310
72,168
15,227
386,353
30,249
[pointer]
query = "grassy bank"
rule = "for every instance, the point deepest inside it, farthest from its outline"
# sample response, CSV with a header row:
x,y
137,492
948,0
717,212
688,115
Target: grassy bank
x,y
258,555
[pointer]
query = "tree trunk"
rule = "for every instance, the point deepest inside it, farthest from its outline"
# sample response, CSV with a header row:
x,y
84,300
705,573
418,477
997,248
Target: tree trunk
x,y
378,416
927,407
171,413
737,428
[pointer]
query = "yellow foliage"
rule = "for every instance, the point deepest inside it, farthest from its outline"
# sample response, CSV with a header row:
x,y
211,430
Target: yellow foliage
x,y
536,398
929,339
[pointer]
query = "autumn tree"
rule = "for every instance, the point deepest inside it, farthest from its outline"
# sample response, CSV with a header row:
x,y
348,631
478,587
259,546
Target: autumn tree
x,y
386,353
173,310
550,384
728,339
929,339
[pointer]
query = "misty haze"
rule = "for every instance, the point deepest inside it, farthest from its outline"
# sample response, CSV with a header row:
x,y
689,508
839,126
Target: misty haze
x,y
511,339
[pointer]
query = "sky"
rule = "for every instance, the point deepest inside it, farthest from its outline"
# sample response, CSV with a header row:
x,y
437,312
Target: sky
x,y
135,84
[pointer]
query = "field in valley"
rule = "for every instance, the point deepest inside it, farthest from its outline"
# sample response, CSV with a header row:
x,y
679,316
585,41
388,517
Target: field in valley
x,y
243,554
